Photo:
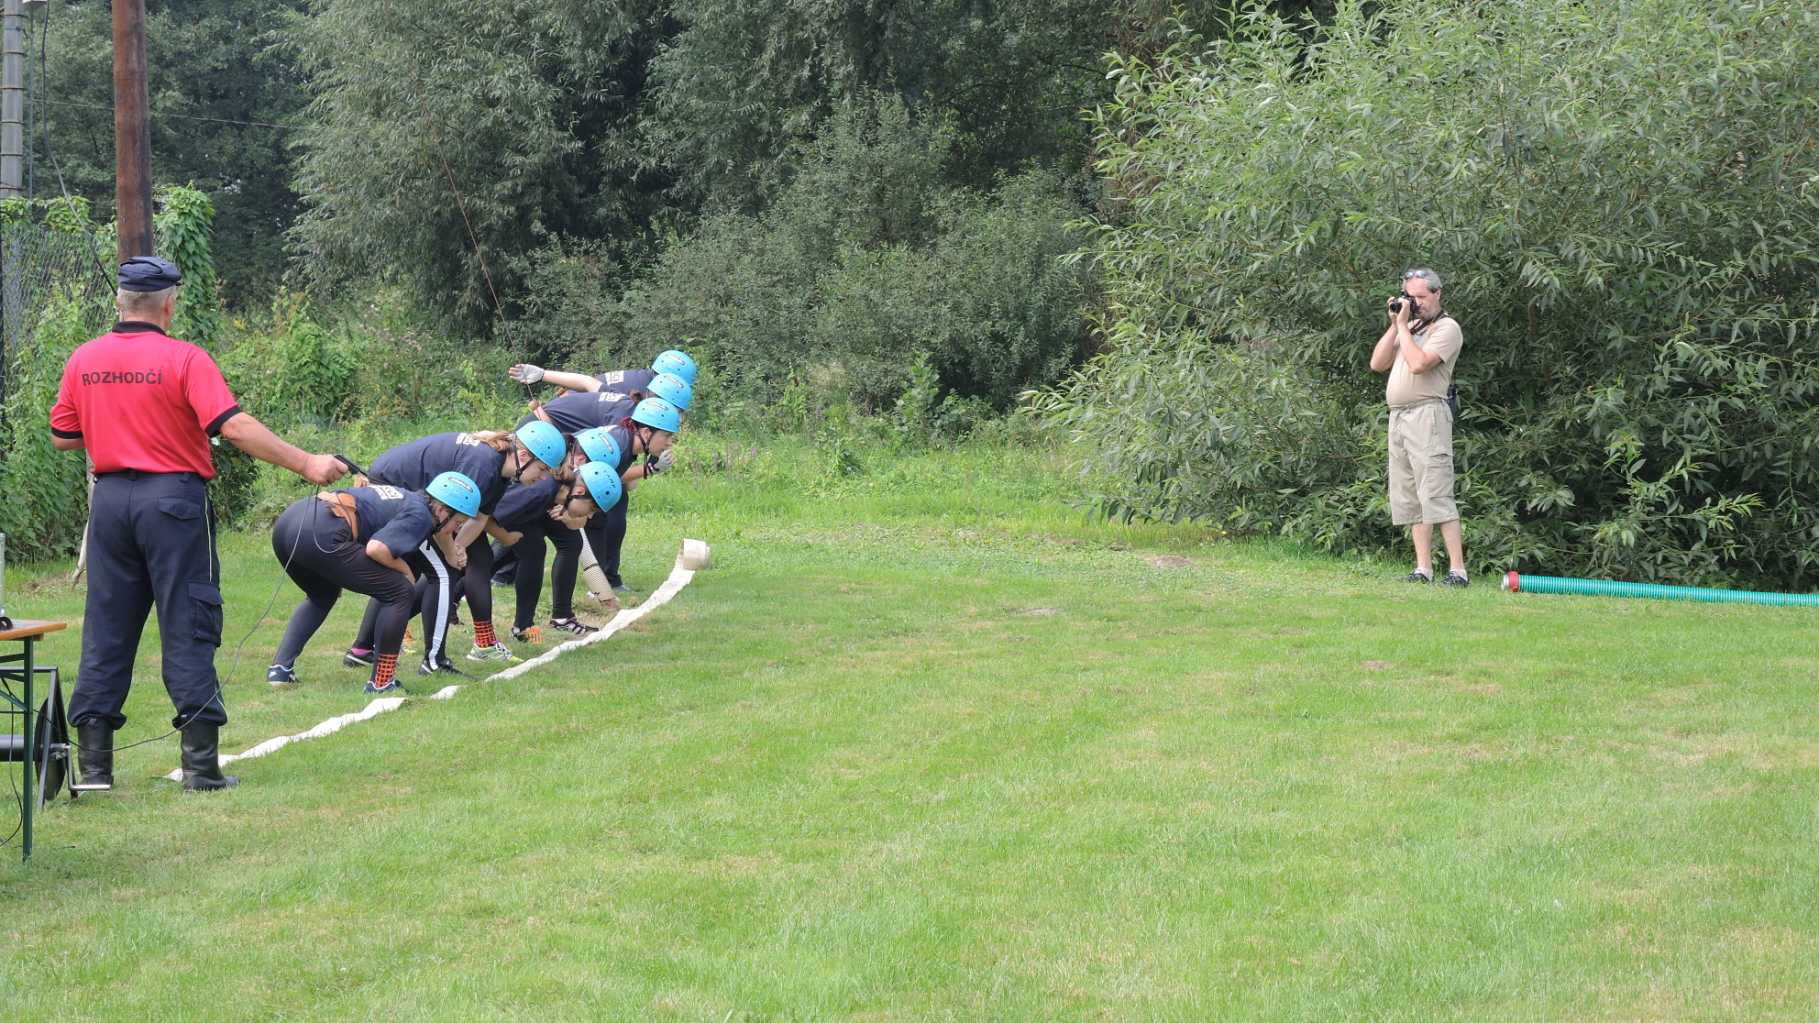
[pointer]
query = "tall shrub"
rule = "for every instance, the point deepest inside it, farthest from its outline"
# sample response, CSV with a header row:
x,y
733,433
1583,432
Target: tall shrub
x,y
1621,196
46,492
867,261
185,226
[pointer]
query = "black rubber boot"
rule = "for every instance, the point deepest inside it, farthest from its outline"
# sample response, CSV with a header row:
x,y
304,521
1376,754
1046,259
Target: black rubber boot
x,y
201,759
94,756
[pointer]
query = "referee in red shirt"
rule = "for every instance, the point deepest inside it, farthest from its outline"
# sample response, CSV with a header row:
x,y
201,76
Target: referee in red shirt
x,y
145,404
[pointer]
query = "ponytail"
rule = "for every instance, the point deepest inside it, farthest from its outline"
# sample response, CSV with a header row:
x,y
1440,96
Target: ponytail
x,y
498,440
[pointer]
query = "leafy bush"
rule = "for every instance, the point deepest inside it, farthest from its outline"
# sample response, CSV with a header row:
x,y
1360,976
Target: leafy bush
x,y
185,226
865,262
1619,197
46,505
291,369
570,306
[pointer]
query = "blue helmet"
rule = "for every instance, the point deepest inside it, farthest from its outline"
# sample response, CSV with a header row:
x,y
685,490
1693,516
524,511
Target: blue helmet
x,y
602,482
657,413
598,445
456,491
673,389
675,362
544,442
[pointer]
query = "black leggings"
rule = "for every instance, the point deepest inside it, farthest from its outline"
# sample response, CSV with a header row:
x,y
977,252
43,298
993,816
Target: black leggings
x,y
476,582
605,536
562,572
608,539
435,579
529,579
322,558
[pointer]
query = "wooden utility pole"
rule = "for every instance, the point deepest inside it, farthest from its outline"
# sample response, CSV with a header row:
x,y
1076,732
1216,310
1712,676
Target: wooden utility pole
x,y
12,98
132,132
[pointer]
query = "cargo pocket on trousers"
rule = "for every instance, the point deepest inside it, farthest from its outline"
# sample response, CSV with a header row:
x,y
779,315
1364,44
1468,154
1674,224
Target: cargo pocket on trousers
x,y
206,599
179,508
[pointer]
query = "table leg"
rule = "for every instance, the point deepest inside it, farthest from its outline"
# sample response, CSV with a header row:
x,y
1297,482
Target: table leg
x,y
26,810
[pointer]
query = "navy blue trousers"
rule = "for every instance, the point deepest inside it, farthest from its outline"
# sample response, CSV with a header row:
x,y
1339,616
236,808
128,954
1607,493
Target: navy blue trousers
x,y
151,543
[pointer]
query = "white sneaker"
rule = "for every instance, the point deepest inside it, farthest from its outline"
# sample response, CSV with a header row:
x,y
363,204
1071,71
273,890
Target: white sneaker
x,y
496,652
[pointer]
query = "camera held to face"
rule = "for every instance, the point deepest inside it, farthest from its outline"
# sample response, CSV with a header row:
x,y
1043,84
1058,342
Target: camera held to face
x,y
1397,303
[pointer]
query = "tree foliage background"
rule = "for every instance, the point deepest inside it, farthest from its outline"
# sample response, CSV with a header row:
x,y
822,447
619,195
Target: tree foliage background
x,y
948,204
1622,197
224,99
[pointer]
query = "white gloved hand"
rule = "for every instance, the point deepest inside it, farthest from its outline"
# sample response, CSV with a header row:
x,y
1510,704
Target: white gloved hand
x,y
525,373
660,463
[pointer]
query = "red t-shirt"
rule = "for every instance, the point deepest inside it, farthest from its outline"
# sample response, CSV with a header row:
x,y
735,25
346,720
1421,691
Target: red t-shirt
x,y
139,399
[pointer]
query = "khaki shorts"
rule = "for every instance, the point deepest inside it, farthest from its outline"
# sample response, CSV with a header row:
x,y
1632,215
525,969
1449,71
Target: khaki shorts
x,y
1421,464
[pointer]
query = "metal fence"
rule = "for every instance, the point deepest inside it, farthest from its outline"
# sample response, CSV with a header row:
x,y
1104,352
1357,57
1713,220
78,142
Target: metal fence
x,y
40,266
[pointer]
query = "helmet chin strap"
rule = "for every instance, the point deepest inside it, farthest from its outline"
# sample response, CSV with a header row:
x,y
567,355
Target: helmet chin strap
x,y
446,519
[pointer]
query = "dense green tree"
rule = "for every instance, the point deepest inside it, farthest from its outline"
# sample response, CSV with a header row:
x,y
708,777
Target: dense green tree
x,y
437,125
1621,197
607,127
742,84
868,262
223,101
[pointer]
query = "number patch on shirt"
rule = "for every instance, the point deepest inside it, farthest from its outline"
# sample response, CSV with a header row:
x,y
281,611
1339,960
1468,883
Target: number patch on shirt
x,y
468,439
388,493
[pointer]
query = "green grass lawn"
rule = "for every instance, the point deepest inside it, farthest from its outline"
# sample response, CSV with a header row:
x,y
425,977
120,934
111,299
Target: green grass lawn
x,y
925,744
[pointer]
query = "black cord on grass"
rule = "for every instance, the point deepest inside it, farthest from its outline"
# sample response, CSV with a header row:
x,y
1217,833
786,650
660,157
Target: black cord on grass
x,y
234,666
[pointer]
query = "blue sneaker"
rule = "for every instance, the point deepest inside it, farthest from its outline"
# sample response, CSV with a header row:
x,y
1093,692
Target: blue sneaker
x,y
279,675
392,688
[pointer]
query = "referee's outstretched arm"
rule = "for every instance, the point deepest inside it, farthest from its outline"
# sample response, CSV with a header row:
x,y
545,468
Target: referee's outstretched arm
x,y
256,439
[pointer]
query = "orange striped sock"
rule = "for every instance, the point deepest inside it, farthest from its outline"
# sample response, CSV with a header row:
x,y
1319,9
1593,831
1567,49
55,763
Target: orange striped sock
x,y
483,633
385,670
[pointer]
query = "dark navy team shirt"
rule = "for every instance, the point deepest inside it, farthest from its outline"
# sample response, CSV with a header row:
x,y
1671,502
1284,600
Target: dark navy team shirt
x,y
398,518
411,466
625,381
584,410
525,506
623,437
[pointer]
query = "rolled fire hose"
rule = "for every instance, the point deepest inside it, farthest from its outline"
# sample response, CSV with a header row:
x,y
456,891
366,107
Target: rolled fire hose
x,y
1516,583
598,586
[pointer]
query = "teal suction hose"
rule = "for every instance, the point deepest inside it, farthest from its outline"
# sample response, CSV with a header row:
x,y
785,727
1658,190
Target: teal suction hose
x,y
1514,583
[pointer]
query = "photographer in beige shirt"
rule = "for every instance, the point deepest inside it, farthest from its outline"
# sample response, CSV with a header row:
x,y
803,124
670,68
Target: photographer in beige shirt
x,y
1419,350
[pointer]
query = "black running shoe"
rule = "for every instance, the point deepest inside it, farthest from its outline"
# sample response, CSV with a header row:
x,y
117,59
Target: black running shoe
x,y
1456,579
444,668
279,675
1417,577
572,625
355,659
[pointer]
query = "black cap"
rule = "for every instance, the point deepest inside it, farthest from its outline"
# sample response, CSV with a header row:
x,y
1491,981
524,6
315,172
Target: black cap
x,y
149,273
